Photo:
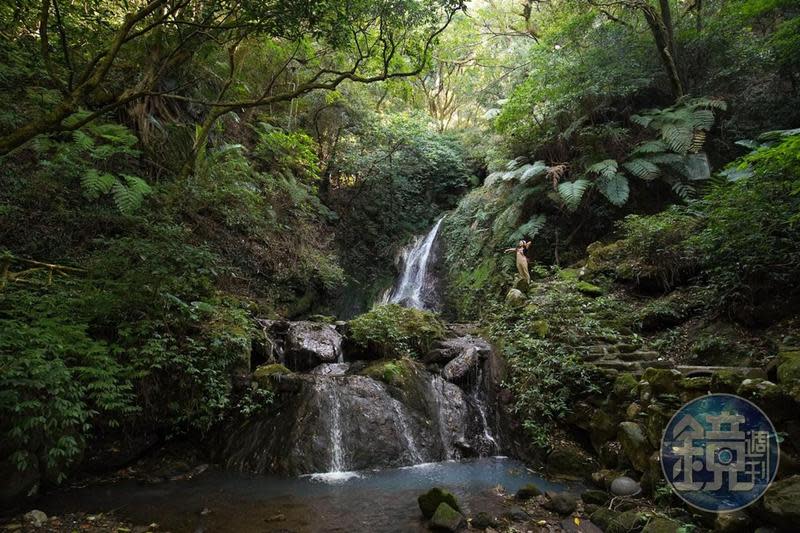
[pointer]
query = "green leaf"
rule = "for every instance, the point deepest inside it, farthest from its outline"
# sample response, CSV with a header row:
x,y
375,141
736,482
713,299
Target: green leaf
x,y
615,188
572,192
607,167
642,168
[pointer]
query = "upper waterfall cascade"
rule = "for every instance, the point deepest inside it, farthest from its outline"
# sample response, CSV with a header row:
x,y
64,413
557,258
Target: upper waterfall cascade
x,y
415,285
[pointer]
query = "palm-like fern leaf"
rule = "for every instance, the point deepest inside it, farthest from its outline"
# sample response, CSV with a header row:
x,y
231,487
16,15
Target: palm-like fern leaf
x,y
607,167
530,228
615,188
95,184
571,192
642,168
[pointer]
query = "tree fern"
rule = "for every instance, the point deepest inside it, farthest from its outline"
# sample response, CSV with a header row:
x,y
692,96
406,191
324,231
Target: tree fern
x,y
571,192
650,147
615,188
534,170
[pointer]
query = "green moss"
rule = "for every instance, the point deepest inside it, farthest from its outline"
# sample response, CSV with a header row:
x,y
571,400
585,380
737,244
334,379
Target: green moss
x,y
394,331
540,328
789,366
430,501
567,274
625,386
392,372
588,289
264,373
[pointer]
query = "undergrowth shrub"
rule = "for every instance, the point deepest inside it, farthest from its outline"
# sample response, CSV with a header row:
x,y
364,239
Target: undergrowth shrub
x,y
395,331
751,240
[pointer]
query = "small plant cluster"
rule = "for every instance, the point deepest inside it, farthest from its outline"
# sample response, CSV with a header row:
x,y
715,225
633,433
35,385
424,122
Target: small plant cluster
x,y
393,331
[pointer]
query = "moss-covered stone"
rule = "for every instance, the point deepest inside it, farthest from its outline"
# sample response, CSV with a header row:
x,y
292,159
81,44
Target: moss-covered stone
x,y
584,287
569,463
603,427
789,366
594,496
658,416
625,386
634,445
658,524
394,331
527,492
392,372
445,518
662,380
263,375
726,380
430,501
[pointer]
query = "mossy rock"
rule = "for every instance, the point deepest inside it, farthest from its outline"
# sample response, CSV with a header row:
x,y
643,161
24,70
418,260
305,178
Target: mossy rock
x,y
658,524
515,298
603,427
584,287
726,381
635,445
392,372
447,519
430,501
569,463
263,375
568,274
789,366
394,331
527,492
625,386
662,380
325,319
658,416
604,517
596,497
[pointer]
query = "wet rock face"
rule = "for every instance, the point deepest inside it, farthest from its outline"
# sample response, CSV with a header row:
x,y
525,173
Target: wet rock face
x,y
460,369
309,344
353,422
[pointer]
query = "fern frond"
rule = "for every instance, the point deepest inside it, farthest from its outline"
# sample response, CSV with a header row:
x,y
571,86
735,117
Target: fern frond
x,y
678,137
95,184
702,119
642,168
642,120
650,147
698,140
615,188
84,141
535,170
571,192
607,167
683,190
529,229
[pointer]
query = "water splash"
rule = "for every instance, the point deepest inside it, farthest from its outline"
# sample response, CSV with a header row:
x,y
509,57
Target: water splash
x,y
414,284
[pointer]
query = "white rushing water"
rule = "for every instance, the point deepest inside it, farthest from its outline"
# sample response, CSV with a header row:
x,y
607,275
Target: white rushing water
x,y
410,290
337,452
402,423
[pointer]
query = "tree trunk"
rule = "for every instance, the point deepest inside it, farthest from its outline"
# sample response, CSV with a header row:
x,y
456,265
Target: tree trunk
x,y
665,46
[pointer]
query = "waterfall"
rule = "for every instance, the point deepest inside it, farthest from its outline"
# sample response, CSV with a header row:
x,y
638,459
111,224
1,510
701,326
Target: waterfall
x,y
337,453
414,286
437,385
480,406
402,422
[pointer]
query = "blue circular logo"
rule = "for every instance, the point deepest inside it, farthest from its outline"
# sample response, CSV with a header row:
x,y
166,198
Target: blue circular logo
x,y
719,453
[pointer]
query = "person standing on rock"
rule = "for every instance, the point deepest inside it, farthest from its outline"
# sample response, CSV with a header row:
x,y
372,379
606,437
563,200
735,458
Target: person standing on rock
x,y
522,252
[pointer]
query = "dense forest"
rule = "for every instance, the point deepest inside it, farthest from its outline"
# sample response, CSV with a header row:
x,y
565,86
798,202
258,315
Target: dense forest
x,y
183,182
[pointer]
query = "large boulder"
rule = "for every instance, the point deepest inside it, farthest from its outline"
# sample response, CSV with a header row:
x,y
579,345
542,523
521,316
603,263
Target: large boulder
x,y
462,368
780,503
309,344
569,462
515,297
430,501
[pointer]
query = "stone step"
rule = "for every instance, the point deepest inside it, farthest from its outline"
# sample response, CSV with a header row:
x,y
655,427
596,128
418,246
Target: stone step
x,y
616,364
696,371
639,356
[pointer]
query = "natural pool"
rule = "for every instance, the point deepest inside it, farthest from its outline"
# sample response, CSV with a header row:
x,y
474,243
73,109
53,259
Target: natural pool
x,y
368,501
